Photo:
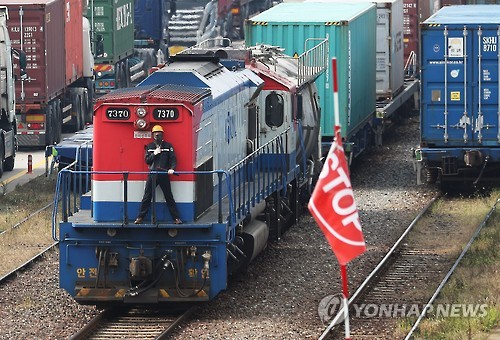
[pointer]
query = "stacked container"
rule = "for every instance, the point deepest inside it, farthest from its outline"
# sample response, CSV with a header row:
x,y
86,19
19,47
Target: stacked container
x,y
351,29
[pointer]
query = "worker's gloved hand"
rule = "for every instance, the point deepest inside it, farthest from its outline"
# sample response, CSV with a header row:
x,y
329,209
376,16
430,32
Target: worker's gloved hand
x,y
157,151
170,171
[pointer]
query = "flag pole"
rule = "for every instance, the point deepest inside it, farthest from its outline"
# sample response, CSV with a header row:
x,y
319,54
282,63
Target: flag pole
x,y
342,232
343,267
336,109
345,293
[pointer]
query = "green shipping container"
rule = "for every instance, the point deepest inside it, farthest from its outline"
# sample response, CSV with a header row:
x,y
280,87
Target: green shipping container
x,y
351,30
113,29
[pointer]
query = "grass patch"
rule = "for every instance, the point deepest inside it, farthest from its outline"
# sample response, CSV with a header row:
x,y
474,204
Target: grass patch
x,y
24,200
19,244
474,283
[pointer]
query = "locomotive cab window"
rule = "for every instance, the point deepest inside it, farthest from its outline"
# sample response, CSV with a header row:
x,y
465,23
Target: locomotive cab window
x,y
274,110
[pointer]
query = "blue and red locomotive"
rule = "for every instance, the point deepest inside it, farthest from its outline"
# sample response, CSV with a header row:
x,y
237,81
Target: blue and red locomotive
x,y
245,127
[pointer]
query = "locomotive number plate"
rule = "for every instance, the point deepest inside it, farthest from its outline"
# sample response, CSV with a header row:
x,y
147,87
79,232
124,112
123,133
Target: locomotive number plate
x,y
117,113
166,113
142,134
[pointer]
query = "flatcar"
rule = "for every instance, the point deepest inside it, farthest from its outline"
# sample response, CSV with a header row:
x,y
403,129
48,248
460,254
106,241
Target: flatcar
x,y
245,127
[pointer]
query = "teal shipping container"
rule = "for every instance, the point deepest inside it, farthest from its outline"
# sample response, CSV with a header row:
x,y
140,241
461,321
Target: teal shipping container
x,y
113,29
351,30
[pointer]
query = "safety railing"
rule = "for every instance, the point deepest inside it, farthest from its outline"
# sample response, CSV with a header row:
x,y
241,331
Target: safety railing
x,y
314,61
410,69
238,190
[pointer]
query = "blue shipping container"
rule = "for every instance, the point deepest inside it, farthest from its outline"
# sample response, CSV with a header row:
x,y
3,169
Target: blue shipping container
x,y
459,88
150,19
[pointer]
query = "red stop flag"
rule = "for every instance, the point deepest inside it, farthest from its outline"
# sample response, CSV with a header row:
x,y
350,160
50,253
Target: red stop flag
x,y
332,206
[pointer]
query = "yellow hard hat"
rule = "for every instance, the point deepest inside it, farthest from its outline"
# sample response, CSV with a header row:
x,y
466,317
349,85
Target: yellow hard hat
x,y
157,128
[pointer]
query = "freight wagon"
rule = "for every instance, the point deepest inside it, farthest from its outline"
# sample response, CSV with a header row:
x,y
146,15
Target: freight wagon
x,y
460,134
58,88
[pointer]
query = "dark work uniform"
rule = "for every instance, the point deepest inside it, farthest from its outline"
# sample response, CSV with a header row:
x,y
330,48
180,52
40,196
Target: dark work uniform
x,y
162,162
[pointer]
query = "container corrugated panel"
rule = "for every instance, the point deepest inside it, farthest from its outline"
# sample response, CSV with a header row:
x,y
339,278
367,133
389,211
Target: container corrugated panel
x,y
38,28
351,41
113,23
390,53
149,19
460,77
73,39
411,25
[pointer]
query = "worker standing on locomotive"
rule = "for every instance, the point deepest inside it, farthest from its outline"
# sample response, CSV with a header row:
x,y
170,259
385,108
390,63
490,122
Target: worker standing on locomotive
x,y
160,156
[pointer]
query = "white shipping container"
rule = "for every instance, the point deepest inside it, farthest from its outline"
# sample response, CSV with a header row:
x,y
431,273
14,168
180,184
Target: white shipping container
x,y
390,47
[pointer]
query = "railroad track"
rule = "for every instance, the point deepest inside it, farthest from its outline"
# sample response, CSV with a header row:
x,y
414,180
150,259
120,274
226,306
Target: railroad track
x,y
134,323
24,258
405,283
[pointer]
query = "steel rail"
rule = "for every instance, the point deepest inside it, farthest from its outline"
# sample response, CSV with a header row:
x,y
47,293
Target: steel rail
x,y
110,316
27,218
27,263
377,269
455,265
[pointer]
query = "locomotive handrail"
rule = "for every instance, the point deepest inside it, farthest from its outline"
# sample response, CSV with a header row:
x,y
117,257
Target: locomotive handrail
x,y
313,62
243,186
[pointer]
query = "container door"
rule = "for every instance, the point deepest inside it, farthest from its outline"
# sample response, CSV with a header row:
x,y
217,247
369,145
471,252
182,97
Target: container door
x,y
460,86
485,96
446,80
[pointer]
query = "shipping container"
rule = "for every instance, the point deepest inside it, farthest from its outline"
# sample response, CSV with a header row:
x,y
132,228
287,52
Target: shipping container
x,y
410,30
460,89
37,28
73,23
113,28
57,88
290,25
390,58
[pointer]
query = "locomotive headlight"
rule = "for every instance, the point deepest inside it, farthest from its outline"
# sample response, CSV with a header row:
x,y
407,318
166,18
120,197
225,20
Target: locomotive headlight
x,y
111,232
141,123
172,232
140,112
